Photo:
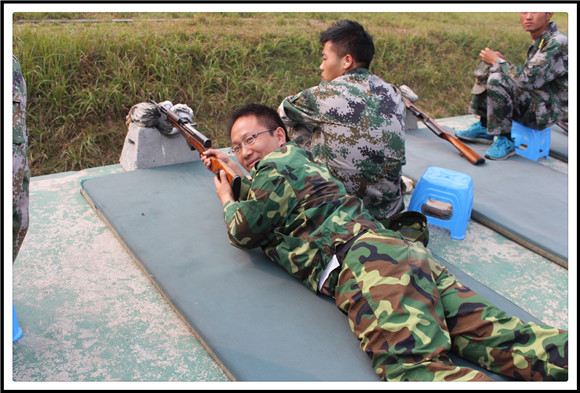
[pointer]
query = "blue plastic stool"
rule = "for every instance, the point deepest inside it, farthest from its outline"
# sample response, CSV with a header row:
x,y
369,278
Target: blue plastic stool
x,y
16,331
445,185
531,144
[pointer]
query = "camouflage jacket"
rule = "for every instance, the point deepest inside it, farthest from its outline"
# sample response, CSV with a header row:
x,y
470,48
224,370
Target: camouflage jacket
x,y
20,170
297,212
355,124
19,134
545,72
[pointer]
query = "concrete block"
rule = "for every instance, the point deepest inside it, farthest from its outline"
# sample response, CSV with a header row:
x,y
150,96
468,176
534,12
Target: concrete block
x,y
410,118
146,147
410,121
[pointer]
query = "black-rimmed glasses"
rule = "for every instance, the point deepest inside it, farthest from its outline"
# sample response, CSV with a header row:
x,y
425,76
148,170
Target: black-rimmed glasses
x,y
248,141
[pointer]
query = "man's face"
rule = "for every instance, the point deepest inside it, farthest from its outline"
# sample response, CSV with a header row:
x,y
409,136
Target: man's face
x,y
262,144
535,22
332,65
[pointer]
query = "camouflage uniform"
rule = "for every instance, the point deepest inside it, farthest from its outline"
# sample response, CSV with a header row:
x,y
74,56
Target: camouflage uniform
x,y
20,173
355,124
535,94
405,308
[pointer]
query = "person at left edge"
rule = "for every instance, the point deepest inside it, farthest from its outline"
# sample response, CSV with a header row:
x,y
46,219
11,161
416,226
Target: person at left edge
x,y
20,170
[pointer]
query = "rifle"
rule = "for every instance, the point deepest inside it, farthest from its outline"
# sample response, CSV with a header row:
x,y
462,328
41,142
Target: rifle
x,y
196,140
472,156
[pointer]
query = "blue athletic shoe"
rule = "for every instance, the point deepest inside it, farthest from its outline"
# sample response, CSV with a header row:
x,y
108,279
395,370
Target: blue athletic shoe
x,y
476,133
502,148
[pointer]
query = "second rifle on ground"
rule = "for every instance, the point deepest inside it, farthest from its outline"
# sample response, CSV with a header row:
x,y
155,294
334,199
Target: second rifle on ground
x,y
471,156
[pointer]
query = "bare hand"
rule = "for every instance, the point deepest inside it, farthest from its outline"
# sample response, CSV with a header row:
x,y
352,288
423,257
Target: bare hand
x,y
490,56
205,156
223,188
223,157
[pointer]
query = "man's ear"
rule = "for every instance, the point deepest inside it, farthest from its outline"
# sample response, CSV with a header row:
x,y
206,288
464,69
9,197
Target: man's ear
x,y
280,136
348,62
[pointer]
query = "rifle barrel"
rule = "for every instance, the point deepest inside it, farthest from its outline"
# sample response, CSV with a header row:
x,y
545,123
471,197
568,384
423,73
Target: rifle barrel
x,y
202,139
196,140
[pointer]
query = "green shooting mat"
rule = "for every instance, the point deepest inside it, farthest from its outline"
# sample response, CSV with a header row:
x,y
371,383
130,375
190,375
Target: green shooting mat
x,y
252,317
559,143
524,200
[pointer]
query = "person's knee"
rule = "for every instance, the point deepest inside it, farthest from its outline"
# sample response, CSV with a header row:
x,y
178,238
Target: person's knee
x,y
497,79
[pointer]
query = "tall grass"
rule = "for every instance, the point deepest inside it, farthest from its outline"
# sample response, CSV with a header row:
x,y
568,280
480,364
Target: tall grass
x,y
84,77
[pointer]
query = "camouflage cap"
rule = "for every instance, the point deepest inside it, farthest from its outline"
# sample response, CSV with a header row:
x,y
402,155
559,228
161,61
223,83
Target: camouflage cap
x,y
481,74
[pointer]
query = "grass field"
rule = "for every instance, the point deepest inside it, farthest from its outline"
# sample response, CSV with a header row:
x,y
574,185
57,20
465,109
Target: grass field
x,y
83,77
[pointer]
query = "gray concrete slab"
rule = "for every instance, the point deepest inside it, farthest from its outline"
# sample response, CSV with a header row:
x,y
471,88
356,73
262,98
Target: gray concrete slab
x,y
87,312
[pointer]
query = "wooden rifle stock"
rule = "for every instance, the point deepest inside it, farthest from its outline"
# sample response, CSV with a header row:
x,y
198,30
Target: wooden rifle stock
x,y
196,140
471,156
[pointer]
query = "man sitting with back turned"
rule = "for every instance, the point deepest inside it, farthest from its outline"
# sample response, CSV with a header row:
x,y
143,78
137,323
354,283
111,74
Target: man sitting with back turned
x,y
353,121
406,310
535,94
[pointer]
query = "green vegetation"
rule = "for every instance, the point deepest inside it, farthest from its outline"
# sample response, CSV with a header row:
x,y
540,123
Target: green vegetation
x,y
83,77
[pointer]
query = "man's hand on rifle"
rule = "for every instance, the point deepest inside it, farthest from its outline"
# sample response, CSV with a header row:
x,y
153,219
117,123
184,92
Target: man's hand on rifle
x,y
223,157
223,188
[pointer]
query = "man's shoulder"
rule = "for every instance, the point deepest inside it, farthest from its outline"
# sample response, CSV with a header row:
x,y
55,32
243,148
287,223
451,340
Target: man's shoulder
x,y
354,83
18,83
554,34
343,86
290,162
560,37
556,44
289,152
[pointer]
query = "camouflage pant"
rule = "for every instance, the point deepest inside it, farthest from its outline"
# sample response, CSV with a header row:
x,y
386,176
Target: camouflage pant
x,y
504,101
408,312
20,196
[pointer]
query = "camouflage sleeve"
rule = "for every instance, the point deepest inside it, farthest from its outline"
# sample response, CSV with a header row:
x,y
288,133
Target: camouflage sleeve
x,y
245,185
300,113
250,223
302,135
549,63
302,108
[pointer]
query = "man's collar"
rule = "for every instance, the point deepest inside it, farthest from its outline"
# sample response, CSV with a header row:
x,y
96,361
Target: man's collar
x,y
358,70
551,29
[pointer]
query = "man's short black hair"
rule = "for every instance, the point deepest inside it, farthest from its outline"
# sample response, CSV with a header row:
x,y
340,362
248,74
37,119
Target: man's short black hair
x,y
349,37
268,117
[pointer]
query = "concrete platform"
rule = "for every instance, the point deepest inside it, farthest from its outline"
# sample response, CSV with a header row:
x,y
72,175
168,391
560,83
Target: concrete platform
x,y
87,311
89,314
